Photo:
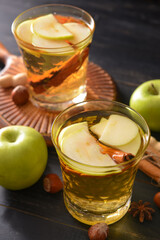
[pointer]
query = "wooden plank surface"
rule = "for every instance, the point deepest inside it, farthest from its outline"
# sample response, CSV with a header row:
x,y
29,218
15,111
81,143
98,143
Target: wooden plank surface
x,y
126,45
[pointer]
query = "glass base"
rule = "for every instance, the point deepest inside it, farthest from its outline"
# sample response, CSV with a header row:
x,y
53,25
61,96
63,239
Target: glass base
x,y
91,218
59,106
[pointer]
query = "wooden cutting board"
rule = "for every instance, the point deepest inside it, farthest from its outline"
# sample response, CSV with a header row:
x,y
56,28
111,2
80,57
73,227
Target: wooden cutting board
x,y
100,85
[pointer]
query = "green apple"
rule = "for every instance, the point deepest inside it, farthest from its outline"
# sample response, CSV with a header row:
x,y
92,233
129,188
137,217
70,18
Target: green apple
x,y
48,27
146,101
23,157
118,131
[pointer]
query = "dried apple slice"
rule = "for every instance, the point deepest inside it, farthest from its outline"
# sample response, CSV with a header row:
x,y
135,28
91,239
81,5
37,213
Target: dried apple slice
x,y
79,31
118,131
48,27
24,31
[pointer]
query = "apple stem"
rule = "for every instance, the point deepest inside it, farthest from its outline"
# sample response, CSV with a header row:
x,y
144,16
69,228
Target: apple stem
x,y
153,90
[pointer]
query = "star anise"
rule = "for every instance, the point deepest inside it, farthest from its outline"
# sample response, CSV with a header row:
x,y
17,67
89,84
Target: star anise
x,y
143,210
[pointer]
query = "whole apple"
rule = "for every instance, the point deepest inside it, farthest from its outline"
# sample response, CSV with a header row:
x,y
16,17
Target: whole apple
x,y
23,157
146,101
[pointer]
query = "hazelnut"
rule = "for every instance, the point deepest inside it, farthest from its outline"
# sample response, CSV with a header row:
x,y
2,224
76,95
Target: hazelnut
x,y
98,231
52,183
157,199
20,95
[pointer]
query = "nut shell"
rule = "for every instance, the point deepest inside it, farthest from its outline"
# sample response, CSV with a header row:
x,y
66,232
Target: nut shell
x,y
20,95
52,183
98,231
157,199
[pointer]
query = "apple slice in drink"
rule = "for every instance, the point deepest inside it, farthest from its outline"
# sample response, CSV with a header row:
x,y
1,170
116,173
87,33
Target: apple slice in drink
x,y
118,131
133,146
24,32
70,129
48,27
52,46
79,31
99,127
78,144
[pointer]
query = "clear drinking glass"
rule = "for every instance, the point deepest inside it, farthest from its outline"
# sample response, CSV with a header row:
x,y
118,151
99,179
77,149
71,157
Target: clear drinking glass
x,y
56,75
91,193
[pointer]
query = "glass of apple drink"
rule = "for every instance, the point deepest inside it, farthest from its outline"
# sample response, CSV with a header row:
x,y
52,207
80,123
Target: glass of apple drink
x,y
99,145
54,41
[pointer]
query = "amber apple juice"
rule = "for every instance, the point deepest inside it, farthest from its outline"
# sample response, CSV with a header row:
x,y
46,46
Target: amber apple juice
x,y
97,193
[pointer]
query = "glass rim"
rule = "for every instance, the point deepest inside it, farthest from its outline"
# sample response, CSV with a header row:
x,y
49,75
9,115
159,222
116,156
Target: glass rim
x,y
30,46
139,155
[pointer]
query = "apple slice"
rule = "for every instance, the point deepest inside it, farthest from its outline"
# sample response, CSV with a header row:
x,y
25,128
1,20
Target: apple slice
x,y
52,46
133,146
24,31
79,31
48,27
78,144
119,131
99,127
70,129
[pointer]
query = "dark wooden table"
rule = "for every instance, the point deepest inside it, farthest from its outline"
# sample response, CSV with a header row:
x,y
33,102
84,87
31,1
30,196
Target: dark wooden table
x,y
127,45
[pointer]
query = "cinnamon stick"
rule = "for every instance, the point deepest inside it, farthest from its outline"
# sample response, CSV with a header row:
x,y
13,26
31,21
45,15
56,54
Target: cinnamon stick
x,y
117,155
57,75
150,170
150,163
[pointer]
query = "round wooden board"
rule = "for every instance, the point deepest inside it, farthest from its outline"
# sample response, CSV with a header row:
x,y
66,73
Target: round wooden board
x,y
99,86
